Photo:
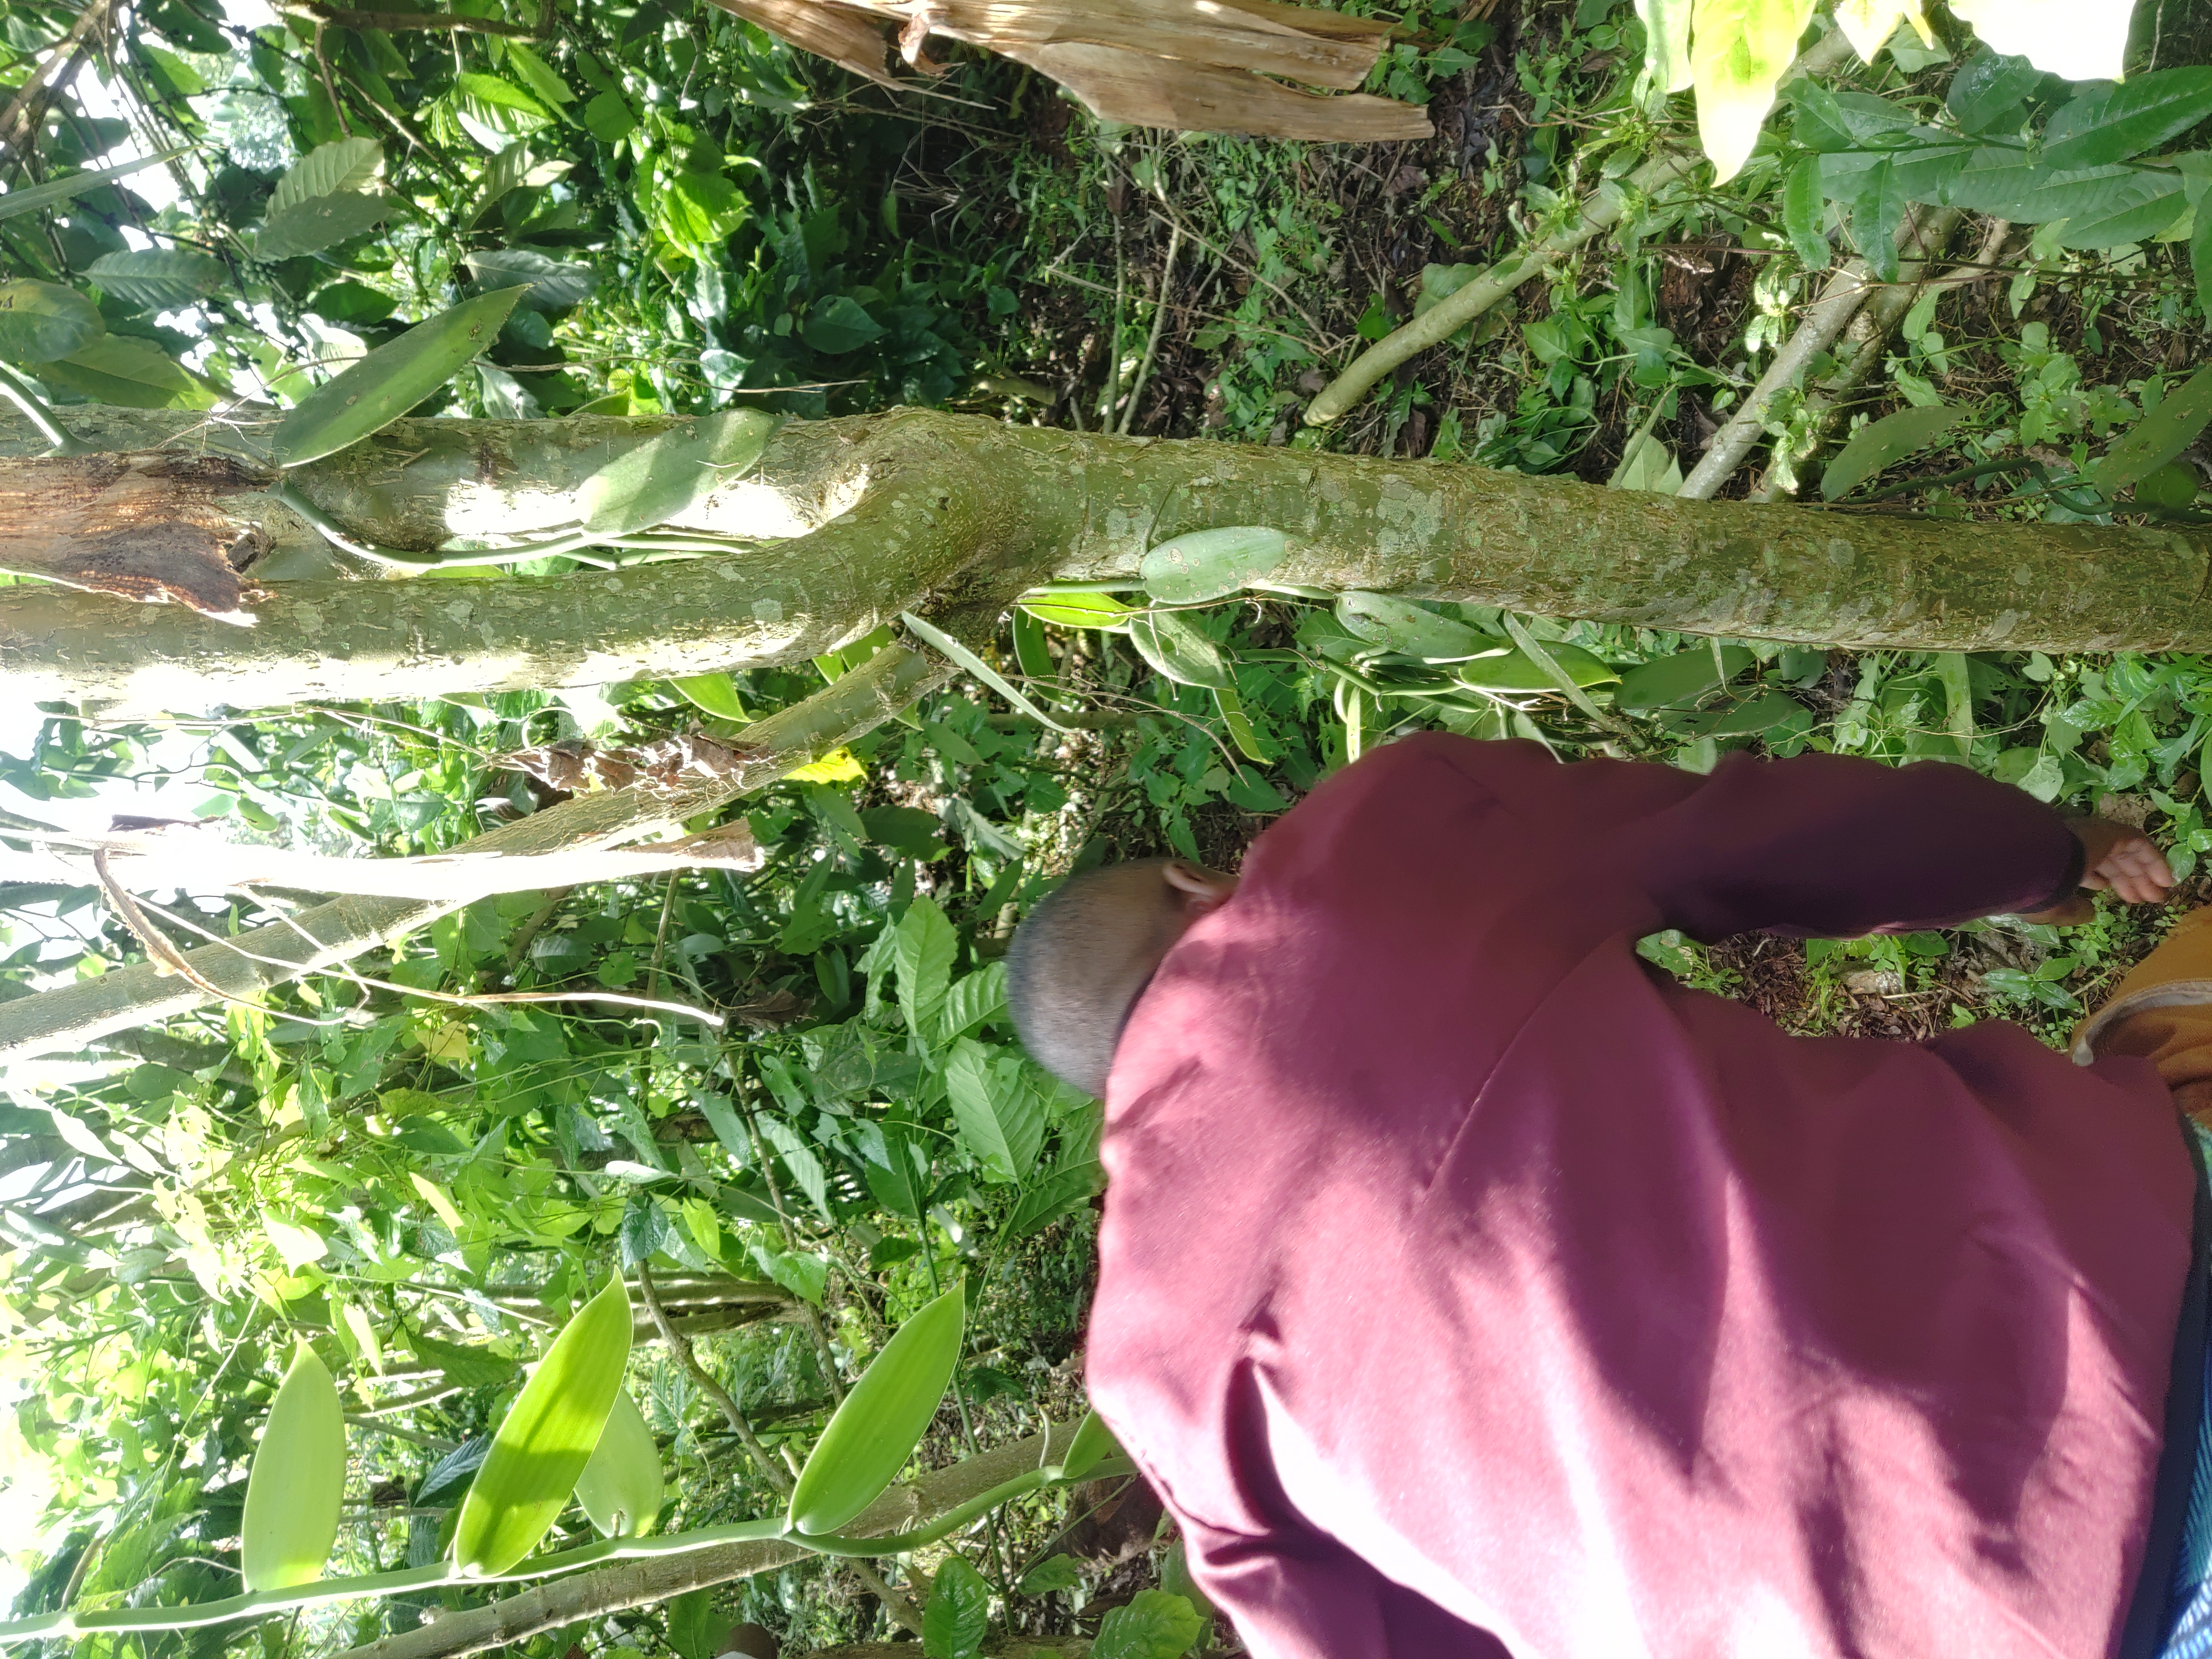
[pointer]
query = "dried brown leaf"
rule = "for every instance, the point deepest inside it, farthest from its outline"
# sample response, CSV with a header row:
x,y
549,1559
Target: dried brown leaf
x,y
1145,91
846,36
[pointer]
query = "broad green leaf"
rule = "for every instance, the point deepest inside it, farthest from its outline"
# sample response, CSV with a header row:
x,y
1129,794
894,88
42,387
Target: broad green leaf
x,y
871,1436
347,164
840,324
495,112
503,173
1990,90
469,1366
548,284
389,382
1803,207
31,197
672,472
902,1185
2110,124
1210,564
1055,1572
1061,1193
697,1629
1876,212
297,1481
838,766
2135,210
350,303
716,694
922,947
802,1160
998,1111
696,210
1152,1625
1178,649
1407,628
1648,465
1030,650
42,321
1077,609
802,1272
1687,674
609,118
2081,40
1666,44
621,1486
158,278
1738,50
130,373
546,1439
1511,669
1885,442
1761,714
537,75
2157,438
976,997
322,221
959,1613
906,830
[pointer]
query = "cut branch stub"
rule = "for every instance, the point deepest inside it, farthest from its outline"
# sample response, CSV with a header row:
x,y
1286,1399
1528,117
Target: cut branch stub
x,y
140,527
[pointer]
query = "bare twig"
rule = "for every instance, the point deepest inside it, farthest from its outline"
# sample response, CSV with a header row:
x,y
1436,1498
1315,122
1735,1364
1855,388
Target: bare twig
x,y
1160,321
20,122
680,1346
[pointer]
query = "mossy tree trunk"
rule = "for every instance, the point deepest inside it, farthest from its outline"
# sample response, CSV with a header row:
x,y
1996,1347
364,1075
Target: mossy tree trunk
x,y
851,521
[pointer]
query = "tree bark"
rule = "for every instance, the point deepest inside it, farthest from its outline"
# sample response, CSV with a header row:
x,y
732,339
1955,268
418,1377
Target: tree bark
x,y
939,509
655,1578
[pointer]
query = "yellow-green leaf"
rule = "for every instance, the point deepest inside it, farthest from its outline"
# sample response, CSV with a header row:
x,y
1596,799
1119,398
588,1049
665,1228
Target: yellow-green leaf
x,y
1093,1444
546,1439
298,1478
434,1196
2081,40
873,1434
838,766
1738,50
1076,610
621,1487
669,473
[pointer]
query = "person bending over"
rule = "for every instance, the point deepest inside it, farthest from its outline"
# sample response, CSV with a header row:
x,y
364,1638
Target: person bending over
x,y
1467,1286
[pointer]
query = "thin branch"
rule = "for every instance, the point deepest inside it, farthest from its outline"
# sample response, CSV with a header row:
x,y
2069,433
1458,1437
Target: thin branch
x,y
680,1346
20,122
1153,341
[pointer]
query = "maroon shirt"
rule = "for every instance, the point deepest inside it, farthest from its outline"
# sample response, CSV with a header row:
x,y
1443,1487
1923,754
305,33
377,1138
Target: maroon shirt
x,y
1469,1286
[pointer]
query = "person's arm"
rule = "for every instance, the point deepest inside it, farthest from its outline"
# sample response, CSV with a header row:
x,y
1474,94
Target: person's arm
x,y
1824,844
1817,844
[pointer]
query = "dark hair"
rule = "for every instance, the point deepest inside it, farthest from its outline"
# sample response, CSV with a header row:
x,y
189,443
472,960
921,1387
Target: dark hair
x,y
1069,987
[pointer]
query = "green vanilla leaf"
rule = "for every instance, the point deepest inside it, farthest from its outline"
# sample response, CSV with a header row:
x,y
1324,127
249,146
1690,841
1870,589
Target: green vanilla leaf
x,y
298,1478
669,473
959,1613
35,197
715,694
937,640
1400,626
1093,1444
1176,647
546,1439
2159,437
389,382
1210,564
621,1487
1885,442
869,1439
1687,674
1512,670
1076,610
1029,647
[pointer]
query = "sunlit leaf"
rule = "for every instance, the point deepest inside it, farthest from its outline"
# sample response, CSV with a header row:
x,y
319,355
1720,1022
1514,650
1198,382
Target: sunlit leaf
x,y
2159,437
958,1611
2081,40
344,164
389,382
1885,442
298,1479
1738,50
42,321
158,278
1210,564
871,1436
546,1439
620,1488
672,472
130,373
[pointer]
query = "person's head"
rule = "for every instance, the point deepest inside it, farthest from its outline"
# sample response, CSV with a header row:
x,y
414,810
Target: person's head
x,y
1079,962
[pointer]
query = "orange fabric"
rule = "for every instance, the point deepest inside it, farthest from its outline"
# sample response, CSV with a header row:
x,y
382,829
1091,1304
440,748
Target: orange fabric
x,y
2165,1026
